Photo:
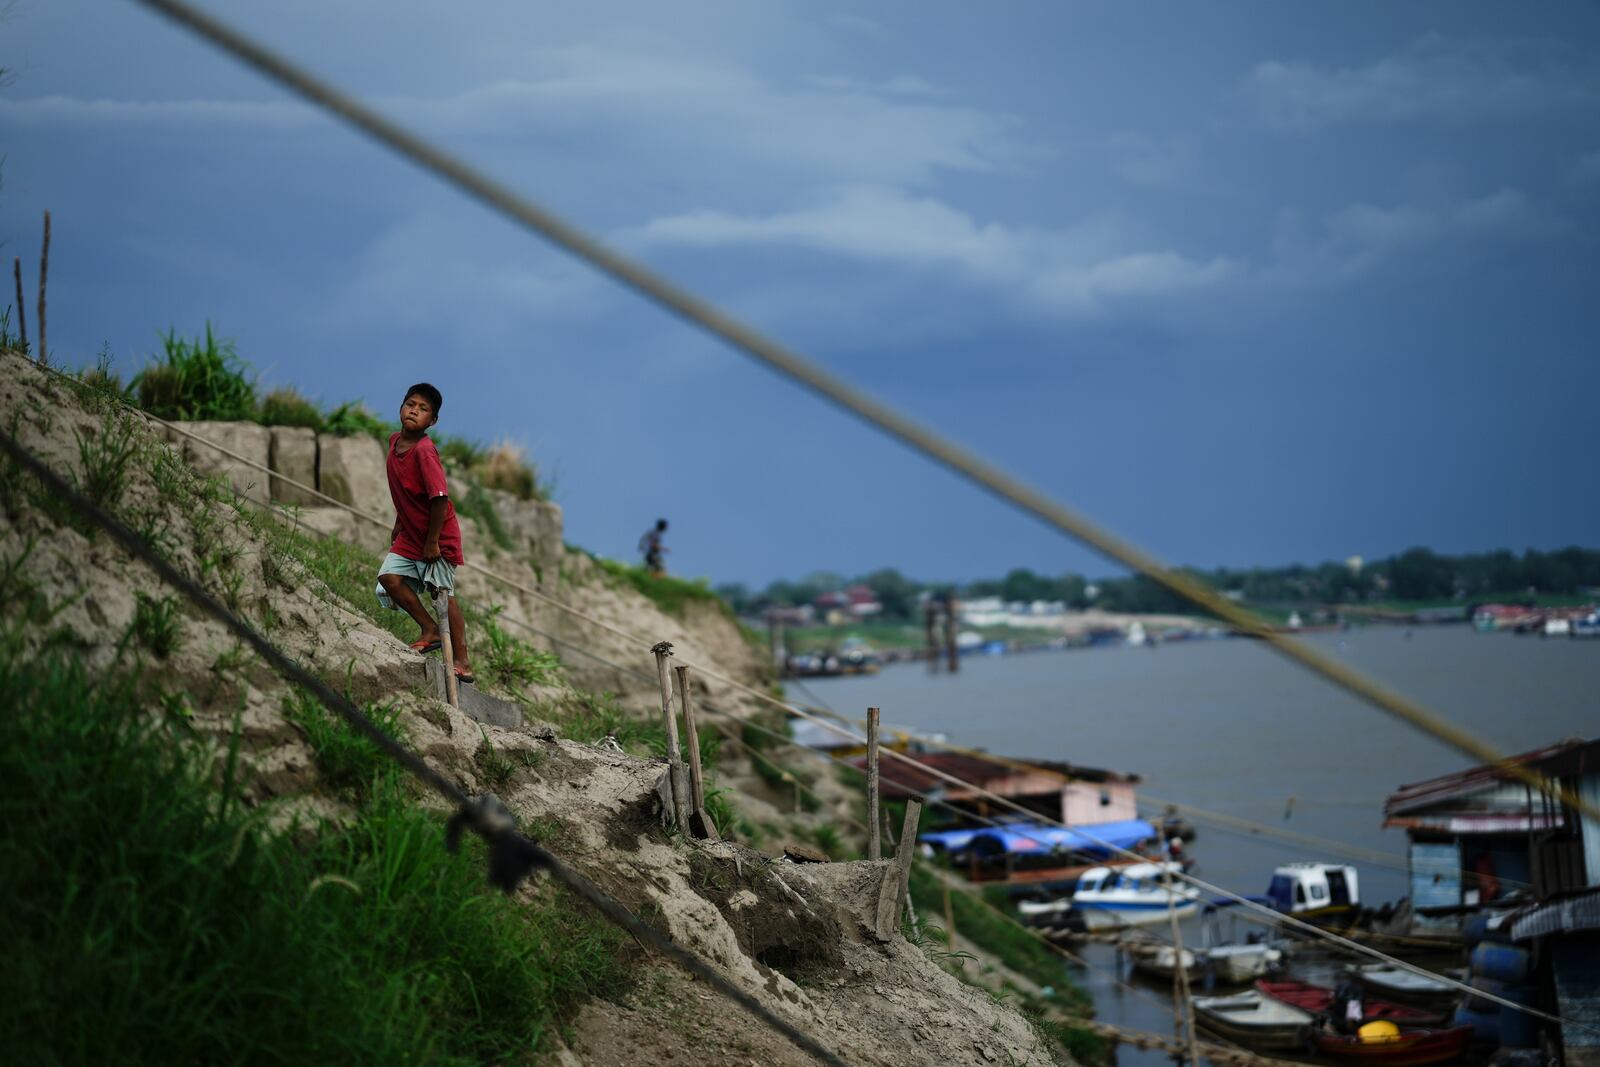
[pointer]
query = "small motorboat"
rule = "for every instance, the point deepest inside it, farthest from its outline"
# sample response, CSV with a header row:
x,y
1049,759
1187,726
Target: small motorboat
x,y
1225,964
1138,895
1318,1000
1399,1048
1256,1021
1407,987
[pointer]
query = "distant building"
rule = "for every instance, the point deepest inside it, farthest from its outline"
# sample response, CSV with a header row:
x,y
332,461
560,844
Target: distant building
x,y
1063,791
854,602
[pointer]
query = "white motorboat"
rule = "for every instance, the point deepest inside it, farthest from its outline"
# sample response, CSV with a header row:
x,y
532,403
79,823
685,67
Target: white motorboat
x,y
1107,898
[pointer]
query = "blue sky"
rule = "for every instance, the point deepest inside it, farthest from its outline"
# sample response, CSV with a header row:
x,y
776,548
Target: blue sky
x,y
1250,283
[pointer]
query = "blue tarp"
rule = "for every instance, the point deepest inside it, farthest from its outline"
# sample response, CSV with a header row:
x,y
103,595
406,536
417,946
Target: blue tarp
x,y
1030,839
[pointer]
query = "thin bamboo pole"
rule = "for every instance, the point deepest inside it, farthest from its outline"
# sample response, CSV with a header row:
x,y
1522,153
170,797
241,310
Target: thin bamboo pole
x,y
874,841
44,272
22,315
680,788
441,609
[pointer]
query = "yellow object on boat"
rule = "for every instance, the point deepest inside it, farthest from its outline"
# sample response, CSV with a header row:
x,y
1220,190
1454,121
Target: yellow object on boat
x,y
1378,1032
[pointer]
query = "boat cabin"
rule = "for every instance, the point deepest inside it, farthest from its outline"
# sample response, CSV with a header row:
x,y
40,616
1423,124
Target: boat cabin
x,y
1314,889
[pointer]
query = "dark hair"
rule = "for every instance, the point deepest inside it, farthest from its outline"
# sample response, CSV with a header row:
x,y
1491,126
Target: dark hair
x,y
428,393
661,524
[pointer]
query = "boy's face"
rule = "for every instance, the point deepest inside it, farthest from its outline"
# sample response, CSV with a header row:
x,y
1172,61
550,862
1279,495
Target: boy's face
x,y
416,414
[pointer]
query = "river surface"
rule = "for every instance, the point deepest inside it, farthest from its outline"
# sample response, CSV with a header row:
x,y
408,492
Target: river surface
x,y
1231,727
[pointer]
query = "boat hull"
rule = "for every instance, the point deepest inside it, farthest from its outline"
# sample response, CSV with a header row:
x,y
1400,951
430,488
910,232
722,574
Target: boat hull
x,y
1256,1021
1097,917
1406,1049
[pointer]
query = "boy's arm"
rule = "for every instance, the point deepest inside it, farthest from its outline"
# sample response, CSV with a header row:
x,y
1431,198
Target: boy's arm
x,y
437,507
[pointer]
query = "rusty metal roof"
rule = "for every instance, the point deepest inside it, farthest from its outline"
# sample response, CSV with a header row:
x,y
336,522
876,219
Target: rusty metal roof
x,y
1573,756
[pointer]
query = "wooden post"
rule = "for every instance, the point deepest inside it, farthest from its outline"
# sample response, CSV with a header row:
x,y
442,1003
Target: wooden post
x,y
929,623
953,663
44,271
441,609
700,823
949,919
1183,1004
680,788
893,890
22,318
874,842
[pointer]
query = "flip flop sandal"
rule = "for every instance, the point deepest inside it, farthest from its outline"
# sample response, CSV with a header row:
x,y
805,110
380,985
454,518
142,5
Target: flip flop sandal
x,y
424,647
467,677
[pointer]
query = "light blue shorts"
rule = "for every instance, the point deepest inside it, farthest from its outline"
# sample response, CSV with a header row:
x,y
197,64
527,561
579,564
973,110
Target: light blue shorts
x,y
419,575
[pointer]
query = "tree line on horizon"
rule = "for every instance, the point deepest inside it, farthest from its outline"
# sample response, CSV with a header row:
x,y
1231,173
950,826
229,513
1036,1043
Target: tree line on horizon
x,y
1417,574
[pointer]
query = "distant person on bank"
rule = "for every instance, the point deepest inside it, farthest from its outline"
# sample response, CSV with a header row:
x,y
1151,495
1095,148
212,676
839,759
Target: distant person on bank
x,y
650,544
426,547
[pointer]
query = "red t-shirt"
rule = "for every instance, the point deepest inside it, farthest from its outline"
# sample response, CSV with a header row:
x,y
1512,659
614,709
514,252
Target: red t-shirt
x,y
416,477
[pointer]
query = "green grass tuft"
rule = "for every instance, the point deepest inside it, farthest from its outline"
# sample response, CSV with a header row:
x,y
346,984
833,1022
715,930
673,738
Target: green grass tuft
x,y
286,407
199,379
152,919
511,662
669,594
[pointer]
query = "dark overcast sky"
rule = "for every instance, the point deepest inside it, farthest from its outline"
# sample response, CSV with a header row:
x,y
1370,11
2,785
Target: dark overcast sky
x,y
1250,283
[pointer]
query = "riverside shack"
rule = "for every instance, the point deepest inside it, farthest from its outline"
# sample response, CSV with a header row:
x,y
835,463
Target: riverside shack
x,y
1101,806
1482,837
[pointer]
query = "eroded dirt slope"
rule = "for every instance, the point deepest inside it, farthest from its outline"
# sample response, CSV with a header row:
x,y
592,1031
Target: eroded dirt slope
x,y
793,935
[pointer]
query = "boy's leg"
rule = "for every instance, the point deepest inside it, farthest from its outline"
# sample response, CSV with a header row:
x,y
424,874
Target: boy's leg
x,y
405,597
458,636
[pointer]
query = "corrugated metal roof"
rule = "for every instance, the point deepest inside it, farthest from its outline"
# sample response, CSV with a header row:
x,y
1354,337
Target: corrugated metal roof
x,y
1578,911
1560,759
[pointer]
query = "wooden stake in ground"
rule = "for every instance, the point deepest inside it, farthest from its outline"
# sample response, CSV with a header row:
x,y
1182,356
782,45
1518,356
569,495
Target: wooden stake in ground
x,y
953,662
874,842
44,271
22,318
1183,1003
441,610
898,880
675,778
949,918
700,823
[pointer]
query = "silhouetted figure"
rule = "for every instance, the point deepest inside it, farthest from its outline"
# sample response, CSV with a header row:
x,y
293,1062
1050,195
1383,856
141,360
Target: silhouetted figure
x,y
652,549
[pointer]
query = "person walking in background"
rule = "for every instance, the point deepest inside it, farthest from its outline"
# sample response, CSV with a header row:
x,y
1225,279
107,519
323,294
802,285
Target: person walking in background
x,y
652,549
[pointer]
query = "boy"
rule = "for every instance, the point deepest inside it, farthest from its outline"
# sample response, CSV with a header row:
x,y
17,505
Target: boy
x,y
427,538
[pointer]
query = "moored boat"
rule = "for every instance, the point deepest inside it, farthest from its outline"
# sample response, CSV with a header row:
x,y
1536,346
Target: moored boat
x,y
1407,987
1227,964
1404,1048
1138,895
1318,1000
1256,1021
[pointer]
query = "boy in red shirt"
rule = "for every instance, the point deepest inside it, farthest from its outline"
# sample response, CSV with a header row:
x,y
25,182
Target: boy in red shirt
x,y
427,538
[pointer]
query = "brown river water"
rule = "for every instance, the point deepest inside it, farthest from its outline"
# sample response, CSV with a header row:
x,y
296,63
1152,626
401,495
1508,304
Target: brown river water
x,y
1231,727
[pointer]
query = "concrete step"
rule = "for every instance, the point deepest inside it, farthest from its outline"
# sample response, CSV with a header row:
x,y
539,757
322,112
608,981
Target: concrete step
x,y
475,704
